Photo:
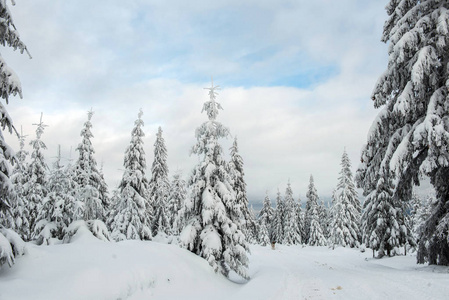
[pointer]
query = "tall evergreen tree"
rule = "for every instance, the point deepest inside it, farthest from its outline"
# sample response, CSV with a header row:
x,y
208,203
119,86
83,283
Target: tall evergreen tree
x,y
235,169
87,175
176,197
53,217
324,218
160,186
20,214
263,236
316,235
213,213
292,234
301,221
131,207
411,131
36,187
103,194
311,207
75,208
423,212
279,217
383,224
9,85
114,209
345,211
266,217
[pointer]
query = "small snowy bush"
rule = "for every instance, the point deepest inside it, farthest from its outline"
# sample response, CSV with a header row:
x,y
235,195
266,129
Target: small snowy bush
x,y
11,246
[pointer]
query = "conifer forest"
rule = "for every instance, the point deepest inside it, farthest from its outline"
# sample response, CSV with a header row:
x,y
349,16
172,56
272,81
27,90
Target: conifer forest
x,y
314,164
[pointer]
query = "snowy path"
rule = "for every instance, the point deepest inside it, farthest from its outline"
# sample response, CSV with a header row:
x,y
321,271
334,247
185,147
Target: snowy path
x,y
319,273
90,269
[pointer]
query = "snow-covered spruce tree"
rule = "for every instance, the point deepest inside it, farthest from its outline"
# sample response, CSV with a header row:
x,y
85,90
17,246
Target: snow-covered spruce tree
x,y
114,203
316,235
312,201
300,219
235,169
412,129
422,213
415,206
265,218
87,175
159,187
324,218
75,208
212,212
292,234
131,218
53,217
176,196
253,229
35,189
20,214
103,194
345,212
263,236
383,224
278,221
10,243
90,207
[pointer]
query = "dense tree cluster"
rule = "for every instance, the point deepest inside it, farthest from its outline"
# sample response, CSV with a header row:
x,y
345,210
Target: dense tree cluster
x,y
10,244
209,214
410,135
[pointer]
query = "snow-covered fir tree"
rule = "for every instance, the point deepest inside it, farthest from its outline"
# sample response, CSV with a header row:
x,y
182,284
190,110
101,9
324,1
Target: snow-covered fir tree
x,y
159,187
176,196
411,130
316,235
383,222
35,190
345,213
292,233
278,221
265,218
90,196
300,219
87,176
75,208
103,193
253,229
263,236
20,214
420,212
324,218
131,209
235,169
423,212
311,207
9,85
212,212
415,206
54,215
114,203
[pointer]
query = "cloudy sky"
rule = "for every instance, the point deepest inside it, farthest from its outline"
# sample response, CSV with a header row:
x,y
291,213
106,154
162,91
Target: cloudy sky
x,y
296,79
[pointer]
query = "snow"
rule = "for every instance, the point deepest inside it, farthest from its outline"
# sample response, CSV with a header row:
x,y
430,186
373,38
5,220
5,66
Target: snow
x,y
6,254
92,269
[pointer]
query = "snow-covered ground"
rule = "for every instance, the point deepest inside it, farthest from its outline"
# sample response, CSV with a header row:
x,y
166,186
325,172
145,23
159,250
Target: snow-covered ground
x,y
92,269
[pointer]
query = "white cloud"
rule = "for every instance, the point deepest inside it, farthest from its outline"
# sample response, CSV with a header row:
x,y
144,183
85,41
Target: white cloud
x,y
117,57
